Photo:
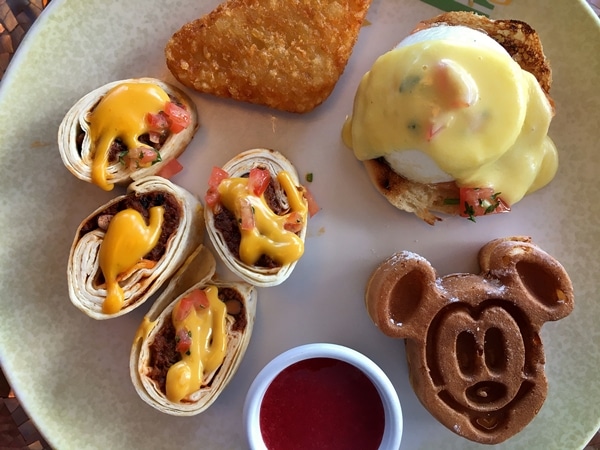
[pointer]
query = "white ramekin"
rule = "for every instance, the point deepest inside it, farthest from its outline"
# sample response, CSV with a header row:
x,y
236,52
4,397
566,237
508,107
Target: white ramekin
x,y
392,433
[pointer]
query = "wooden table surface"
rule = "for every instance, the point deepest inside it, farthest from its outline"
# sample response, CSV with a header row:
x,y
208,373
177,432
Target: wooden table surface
x,y
16,429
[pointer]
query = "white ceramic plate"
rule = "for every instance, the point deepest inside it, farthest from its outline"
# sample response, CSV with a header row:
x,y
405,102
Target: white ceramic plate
x,y
71,372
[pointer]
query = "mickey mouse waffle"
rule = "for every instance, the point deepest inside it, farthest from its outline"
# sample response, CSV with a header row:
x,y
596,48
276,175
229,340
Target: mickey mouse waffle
x,y
473,347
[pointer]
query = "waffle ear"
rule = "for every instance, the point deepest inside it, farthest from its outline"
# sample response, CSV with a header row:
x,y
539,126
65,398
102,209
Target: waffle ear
x,y
542,281
401,295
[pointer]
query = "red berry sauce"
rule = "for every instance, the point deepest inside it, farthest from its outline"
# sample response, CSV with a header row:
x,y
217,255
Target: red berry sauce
x,y
322,403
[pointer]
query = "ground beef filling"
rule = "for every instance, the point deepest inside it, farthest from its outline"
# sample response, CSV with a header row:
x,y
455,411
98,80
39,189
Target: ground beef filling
x,y
162,349
118,148
163,355
227,225
142,203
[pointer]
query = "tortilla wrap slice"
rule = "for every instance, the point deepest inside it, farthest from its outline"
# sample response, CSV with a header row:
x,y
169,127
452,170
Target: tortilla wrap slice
x,y
185,230
240,166
77,148
197,273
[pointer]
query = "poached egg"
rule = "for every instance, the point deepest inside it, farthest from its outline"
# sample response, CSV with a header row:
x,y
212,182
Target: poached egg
x,y
448,103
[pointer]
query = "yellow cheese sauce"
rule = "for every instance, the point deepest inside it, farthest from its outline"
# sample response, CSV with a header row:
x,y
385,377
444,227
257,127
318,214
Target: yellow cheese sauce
x,y
469,107
207,330
144,329
269,236
121,114
127,239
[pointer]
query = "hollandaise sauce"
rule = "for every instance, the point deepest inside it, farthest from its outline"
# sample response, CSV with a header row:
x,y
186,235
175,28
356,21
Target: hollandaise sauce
x,y
264,232
121,114
456,98
201,339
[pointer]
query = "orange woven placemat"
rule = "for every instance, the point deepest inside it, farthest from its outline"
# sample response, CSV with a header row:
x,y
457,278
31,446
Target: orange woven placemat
x,y
16,17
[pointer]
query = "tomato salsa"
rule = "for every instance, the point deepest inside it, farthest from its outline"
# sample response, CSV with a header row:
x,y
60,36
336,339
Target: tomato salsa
x,y
321,403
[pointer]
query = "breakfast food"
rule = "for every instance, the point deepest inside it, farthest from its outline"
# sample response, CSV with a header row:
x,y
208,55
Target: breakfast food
x,y
473,345
128,248
285,55
127,130
455,118
193,339
256,216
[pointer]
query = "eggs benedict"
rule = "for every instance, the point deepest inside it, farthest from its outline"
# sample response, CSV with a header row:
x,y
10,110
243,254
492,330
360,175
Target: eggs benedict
x,y
455,118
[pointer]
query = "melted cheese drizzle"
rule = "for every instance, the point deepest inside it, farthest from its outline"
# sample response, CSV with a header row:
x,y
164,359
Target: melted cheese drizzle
x,y
207,351
461,100
144,329
121,114
126,241
268,237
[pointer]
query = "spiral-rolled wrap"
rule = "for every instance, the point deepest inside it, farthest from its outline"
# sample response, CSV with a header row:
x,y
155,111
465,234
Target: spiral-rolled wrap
x,y
196,273
87,289
240,166
78,155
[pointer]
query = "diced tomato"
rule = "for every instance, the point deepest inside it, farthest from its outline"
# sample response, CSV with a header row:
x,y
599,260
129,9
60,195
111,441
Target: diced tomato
x,y
258,181
182,309
199,299
212,194
154,137
453,92
196,299
148,156
481,201
435,127
247,213
174,118
157,121
212,198
141,157
313,206
170,169
216,176
183,340
179,118
294,222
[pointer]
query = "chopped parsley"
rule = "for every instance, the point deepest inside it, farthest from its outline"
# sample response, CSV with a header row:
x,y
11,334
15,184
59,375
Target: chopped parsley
x,y
485,206
409,83
158,158
122,156
470,211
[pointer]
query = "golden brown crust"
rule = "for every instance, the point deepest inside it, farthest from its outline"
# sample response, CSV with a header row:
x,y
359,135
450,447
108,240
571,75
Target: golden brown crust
x,y
285,55
524,45
418,198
